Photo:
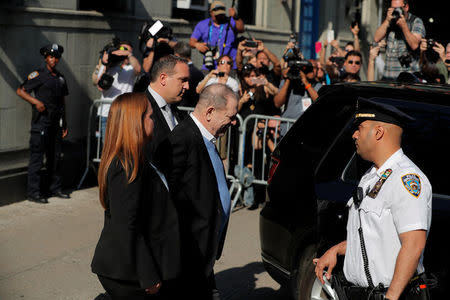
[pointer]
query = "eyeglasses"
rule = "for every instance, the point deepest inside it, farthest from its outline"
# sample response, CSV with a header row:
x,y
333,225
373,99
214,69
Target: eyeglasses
x,y
222,62
351,62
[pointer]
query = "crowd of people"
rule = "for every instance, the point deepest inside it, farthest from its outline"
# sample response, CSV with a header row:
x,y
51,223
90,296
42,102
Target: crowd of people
x,y
146,138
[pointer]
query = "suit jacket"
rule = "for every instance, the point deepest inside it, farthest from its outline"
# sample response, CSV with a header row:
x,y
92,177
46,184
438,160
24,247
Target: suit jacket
x,y
140,237
193,187
161,130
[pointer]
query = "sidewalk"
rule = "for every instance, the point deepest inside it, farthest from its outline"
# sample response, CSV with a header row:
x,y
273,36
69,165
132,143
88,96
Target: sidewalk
x,y
46,251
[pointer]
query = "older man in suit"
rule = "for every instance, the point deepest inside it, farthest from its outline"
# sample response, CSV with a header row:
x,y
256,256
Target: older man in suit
x,y
198,186
169,80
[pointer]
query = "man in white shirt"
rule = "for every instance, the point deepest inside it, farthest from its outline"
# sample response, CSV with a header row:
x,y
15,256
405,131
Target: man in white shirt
x,y
389,214
124,75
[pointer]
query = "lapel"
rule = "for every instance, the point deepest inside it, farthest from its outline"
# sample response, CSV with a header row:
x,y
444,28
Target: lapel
x,y
157,116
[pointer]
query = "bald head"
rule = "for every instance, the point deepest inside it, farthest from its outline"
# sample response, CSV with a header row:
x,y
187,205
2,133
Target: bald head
x,y
215,95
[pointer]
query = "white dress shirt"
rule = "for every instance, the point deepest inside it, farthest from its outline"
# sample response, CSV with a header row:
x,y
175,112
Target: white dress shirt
x,y
165,108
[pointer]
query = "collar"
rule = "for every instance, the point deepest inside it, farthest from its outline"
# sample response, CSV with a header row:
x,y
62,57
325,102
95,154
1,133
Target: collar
x,y
158,98
205,133
390,162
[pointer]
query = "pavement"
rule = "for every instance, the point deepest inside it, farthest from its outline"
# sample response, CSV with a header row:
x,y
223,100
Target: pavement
x,y
46,251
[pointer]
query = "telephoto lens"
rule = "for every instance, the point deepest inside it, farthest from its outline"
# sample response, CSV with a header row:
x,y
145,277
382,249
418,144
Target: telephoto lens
x,y
209,60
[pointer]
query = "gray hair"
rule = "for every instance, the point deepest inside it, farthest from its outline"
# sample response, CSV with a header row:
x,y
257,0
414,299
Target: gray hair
x,y
166,65
215,95
182,49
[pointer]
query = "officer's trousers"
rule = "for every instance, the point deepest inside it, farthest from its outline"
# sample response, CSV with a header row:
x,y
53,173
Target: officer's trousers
x,y
45,139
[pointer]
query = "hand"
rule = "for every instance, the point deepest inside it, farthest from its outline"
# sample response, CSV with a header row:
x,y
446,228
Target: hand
x,y
389,14
374,51
303,78
126,53
39,106
154,289
231,12
439,48
328,260
213,73
201,47
105,58
355,30
260,45
64,132
325,43
245,97
241,46
423,45
335,44
150,43
401,22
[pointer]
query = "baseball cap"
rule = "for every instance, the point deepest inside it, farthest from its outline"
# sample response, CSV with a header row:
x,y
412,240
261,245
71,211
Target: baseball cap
x,y
217,7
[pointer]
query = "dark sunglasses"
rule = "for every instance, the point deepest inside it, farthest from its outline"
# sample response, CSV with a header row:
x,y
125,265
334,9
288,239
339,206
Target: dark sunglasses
x,y
355,62
218,8
222,62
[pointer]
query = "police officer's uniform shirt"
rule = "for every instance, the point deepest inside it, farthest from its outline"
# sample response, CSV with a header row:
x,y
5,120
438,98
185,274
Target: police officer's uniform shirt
x,y
124,79
49,89
403,204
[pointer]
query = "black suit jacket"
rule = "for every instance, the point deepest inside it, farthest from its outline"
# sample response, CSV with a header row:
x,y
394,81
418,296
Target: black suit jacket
x,y
140,238
160,130
193,187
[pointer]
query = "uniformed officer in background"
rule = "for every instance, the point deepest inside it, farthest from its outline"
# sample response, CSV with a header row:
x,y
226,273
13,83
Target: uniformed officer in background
x,y
389,214
48,124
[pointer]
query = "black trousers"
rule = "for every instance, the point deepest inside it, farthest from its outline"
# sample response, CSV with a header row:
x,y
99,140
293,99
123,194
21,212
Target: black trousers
x,y
45,139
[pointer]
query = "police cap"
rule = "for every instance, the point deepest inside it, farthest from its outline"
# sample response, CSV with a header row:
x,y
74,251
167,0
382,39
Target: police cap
x,y
53,50
375,110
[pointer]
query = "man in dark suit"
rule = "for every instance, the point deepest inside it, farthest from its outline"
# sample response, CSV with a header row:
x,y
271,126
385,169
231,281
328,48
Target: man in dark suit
x,y
190,97
169,81
198,186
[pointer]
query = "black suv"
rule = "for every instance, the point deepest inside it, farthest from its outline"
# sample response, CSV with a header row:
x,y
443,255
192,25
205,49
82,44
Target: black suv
x,y
315,169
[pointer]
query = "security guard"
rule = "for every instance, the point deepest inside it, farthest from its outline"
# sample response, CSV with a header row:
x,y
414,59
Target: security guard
x,y
389,214
48,124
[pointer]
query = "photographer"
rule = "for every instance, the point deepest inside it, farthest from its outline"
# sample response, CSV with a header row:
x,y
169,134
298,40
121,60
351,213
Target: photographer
x,y
352,64
115,74
216,36
403,32
220,75
298,89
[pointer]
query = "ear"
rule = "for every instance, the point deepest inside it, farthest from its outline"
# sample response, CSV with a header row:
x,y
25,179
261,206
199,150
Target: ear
x,y
209,112
379,132
163,79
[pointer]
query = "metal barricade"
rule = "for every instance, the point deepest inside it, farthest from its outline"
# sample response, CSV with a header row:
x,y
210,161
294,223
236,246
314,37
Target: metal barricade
x,y
260,134
98,134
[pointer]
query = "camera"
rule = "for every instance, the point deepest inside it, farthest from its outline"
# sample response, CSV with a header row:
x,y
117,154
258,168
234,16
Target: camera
x,y
292,38
153,29
405,60
430,44
208,60
221,74
297,65
112,58
251,44
339,60
397,13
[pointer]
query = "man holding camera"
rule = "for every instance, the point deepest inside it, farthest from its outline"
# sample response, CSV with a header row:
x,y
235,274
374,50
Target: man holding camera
x,y
220,75
298,88
404,32
48,123
115,75
216,35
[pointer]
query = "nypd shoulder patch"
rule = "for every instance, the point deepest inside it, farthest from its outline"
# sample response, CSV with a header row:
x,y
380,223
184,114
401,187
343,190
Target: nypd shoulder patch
x,y
33,75
412,184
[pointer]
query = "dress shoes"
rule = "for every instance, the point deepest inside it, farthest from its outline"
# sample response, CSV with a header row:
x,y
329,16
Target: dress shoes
x,y
38,199
60,194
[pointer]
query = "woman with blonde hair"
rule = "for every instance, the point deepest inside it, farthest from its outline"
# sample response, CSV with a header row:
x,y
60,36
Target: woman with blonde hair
x,y
138,249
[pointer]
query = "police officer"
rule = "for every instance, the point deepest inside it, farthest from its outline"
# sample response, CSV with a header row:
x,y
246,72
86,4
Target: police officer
x,y
389,214
48,124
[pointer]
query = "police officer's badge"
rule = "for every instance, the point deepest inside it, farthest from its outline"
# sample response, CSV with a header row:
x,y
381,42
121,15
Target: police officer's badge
x,y
33,75
412,184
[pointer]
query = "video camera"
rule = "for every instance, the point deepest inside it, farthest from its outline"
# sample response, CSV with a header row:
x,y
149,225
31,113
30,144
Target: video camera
x,y
113,59
295,61
153,29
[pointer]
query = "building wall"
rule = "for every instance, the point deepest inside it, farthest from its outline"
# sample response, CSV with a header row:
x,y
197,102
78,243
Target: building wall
x,y
27,25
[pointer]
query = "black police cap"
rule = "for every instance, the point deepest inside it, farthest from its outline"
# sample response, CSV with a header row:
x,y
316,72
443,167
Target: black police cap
x,y
373,109
53,50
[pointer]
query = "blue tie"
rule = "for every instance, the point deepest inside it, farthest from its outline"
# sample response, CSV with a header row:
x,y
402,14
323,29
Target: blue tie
x,y
221,180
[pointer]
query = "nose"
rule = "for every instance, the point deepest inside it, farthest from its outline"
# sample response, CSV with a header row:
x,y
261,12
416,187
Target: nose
x,y
186,85
355,135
